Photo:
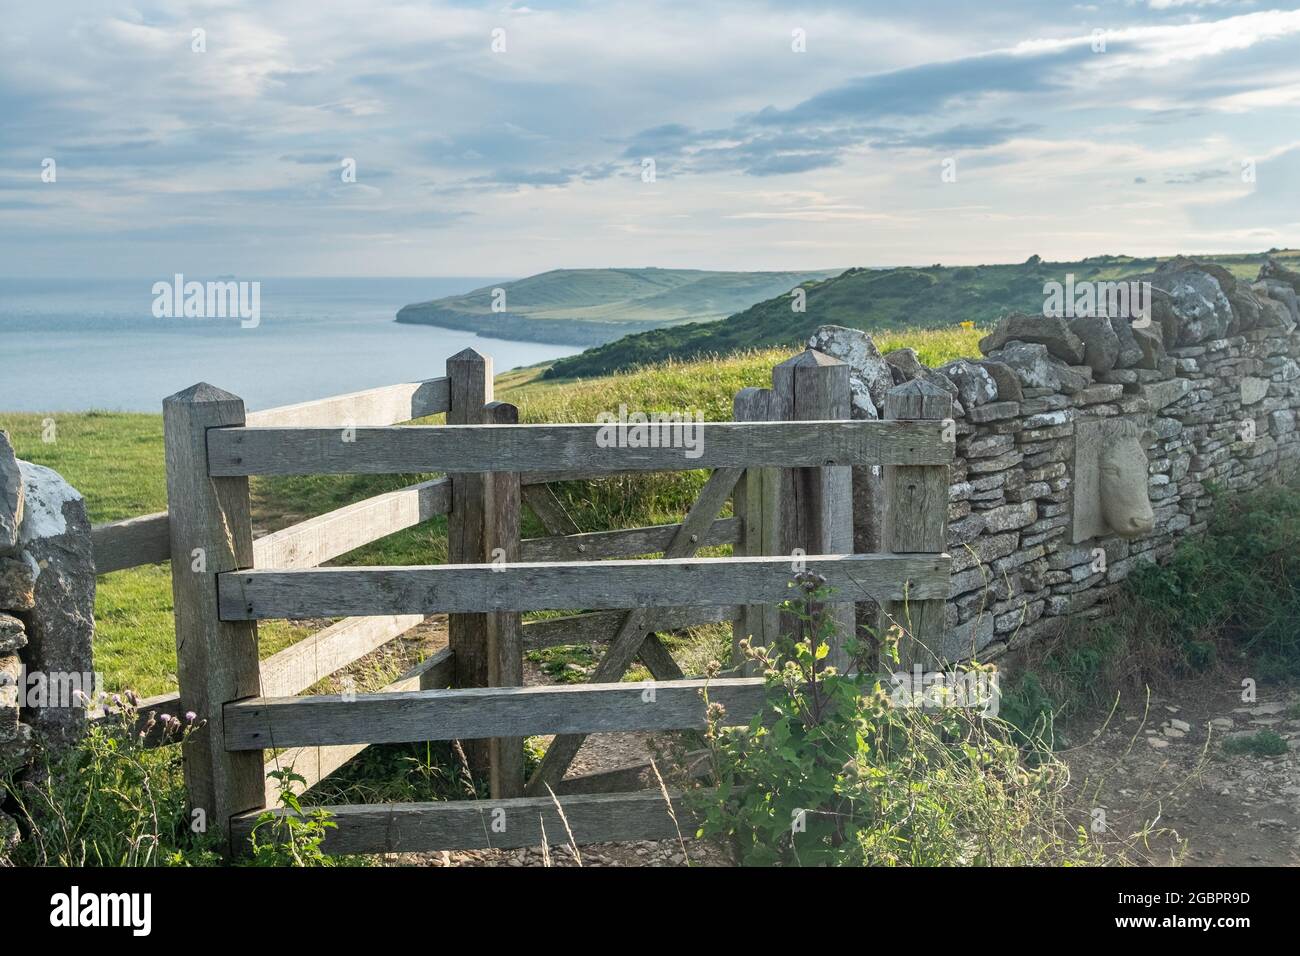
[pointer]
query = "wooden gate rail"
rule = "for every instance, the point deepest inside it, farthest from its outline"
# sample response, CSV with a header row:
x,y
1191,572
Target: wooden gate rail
x,y
476,713
238,451
503,824
597,585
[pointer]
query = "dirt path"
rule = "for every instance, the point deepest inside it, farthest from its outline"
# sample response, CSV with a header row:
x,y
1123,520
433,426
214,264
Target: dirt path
x,y
1164,767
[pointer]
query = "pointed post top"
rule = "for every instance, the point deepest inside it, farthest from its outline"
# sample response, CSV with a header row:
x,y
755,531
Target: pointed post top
x,y
917,386
809,358
201,392
468,355
918,399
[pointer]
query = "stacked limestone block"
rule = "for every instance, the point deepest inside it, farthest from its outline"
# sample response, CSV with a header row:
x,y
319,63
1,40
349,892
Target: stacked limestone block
x,y
1222,401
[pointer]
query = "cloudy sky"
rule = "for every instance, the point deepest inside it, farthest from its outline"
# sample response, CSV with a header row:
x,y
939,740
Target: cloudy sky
x,y
493,139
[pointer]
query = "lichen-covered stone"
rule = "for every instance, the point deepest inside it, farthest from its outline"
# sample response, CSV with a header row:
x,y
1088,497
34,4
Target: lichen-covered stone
x,y
61,625
1253,390
1100,343
18,582
1008,384
869,374
974,385
11,495
1036,367
1052,332
1197,300
13,635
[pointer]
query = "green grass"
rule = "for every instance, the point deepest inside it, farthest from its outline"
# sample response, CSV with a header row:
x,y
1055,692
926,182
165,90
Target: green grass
x,y
875,299
1264,743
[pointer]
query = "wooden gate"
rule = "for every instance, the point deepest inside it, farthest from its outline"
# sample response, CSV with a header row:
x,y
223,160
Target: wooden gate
x,y
785,462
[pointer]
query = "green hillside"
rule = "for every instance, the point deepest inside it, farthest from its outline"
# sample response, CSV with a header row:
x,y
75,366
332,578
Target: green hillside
x,y
875,300
591,306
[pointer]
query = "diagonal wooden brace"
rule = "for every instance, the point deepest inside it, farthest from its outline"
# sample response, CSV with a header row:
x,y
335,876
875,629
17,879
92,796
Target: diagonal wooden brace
x,y
632,635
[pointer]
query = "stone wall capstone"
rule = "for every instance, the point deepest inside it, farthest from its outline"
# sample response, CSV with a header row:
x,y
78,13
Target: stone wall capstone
x,y
1207,390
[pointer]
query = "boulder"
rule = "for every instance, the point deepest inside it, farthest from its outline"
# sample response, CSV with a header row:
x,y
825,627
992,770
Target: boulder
x,y
1197,300
56,534
1275,314
906,367
1245,309
1049,331
1129,352
869,374
1272,269
1281,292
11,495
1150,340
1036,367
1100,342
1004,378
975,386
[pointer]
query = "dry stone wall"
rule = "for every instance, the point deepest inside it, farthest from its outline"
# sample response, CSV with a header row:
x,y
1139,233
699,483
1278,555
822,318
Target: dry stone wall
x,y
1059,415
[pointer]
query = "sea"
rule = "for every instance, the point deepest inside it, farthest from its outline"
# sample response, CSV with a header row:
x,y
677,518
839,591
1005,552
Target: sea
x,y
83,344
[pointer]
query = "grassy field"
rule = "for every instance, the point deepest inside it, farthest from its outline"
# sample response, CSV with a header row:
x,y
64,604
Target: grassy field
x,y
875,299
116,461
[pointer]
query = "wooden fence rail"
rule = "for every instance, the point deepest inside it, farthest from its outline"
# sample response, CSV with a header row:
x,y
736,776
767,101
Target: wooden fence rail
x,y
788,462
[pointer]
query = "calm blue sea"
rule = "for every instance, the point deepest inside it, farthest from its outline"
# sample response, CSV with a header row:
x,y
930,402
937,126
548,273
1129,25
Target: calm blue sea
x,y
72,345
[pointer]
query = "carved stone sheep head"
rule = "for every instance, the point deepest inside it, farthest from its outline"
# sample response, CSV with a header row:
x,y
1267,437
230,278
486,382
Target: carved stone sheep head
x,y
1122,478
1110,481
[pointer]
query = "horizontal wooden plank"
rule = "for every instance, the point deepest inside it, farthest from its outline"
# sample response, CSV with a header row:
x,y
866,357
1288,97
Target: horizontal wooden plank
x,y
473,713
314,764
317,540
147,539
601,626
386,405
484,448
504,824
625,543
597,585
131,542
299,666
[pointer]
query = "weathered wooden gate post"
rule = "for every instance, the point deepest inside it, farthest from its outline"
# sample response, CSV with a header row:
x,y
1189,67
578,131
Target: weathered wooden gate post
x,y
755,503
806,508
211,531
818,509
504,641
916,520
469,378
